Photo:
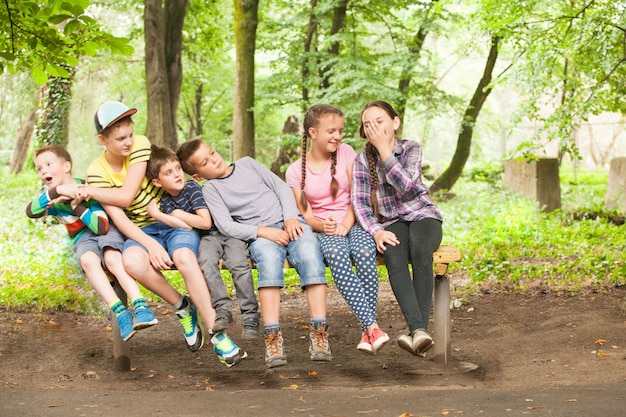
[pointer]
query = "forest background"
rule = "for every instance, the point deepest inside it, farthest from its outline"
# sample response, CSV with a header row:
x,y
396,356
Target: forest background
x,y
475,82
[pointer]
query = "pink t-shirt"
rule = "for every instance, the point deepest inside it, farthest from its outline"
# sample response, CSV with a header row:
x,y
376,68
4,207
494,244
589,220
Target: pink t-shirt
x,y
317,185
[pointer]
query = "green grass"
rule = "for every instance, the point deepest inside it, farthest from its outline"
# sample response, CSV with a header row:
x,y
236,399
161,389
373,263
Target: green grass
x,y
507,245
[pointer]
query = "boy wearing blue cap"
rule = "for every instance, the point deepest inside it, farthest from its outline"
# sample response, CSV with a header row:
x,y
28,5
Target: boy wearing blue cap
x,y
117,179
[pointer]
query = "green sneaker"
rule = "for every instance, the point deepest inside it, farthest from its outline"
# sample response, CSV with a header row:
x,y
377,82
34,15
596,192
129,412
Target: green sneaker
x,y
189,319
227,351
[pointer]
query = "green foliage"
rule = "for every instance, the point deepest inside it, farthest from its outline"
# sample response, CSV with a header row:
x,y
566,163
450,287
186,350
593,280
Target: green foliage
x,y
46,37
507,245
490,173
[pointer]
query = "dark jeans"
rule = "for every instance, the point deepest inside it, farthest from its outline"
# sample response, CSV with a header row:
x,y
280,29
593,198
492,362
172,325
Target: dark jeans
x,y
418,241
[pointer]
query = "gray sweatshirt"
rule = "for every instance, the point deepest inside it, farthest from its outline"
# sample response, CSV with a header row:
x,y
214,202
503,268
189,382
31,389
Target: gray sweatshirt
x,y
251,196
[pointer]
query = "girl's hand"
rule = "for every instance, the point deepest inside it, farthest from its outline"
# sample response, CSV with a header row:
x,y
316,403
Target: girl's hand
x,y
385,237
341,230
380,138
329,226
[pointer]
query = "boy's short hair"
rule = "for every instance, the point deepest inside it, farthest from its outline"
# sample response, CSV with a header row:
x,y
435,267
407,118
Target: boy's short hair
x,y
58,150
110,113
184,153
158,157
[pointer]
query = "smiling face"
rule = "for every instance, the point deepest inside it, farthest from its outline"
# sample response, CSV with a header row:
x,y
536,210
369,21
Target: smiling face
x,y
327,134
52,169
208,163
171,177
377,116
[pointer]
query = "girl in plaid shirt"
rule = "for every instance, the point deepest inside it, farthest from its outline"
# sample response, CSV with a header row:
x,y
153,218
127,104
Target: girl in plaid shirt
x,y
392,203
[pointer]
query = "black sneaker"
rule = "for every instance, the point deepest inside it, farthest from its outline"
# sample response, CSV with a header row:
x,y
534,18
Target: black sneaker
x,y
223,320
250,329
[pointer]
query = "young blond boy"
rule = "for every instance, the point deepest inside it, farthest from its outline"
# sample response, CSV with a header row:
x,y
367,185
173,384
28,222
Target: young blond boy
x,y
117,178
248,202
183,205
94,240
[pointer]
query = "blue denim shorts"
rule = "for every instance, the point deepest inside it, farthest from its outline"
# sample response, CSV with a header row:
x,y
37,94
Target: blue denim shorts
x,y
171,238
304,254
90,242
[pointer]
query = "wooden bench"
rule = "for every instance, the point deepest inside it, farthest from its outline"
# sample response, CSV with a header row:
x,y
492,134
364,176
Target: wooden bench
x,y
445,255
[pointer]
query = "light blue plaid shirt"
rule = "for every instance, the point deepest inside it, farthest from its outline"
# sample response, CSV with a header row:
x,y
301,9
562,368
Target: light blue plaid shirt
x,y
401,193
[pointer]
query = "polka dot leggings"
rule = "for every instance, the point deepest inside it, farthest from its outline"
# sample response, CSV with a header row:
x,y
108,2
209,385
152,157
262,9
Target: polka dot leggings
x,y
360,289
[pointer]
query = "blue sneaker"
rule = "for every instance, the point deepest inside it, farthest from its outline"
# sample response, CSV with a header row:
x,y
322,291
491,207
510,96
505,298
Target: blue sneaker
x,y
227,351
188,318
125,321
144,317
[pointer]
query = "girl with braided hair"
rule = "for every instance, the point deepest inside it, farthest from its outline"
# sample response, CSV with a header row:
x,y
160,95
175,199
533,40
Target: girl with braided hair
x,y
392,203
321,181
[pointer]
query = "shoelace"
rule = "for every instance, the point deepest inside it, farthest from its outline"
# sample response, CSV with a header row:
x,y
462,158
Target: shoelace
x,y
321,338
225,345
187,323
273,340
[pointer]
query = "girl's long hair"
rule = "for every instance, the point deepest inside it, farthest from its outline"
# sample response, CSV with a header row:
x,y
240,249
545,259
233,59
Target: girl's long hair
x,y
370,151
311,119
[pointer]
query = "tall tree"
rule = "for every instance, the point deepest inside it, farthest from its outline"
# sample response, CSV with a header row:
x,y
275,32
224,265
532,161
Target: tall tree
x,y
414,48
54,111
163,31
246,21
464,143
339,16
206,108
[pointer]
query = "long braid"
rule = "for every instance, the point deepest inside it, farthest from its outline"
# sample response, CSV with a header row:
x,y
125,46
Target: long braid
x,y
303,200
371,153
311,119
334,185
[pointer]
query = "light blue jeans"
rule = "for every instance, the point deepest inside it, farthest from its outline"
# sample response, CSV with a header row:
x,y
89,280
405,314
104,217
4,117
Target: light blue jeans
x,y
304,254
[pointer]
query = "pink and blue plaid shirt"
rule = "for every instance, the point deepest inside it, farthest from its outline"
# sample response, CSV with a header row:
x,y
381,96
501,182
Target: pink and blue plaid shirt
x,y
401,193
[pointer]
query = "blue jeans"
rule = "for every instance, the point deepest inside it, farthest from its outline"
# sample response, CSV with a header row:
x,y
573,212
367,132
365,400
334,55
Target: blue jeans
x,y
171,238
304,254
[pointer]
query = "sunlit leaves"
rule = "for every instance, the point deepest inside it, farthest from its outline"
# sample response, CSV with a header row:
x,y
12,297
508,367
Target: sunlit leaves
x,y
44,37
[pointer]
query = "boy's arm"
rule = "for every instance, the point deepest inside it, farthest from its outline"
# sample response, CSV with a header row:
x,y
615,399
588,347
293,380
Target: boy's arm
x,y
92,216
201,219
172,221
38,207
124,195
282,190
159,259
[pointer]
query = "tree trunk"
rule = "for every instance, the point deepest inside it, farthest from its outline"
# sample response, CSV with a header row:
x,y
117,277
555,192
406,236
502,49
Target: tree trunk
x,y
163,39
246,20
174,23
415,49
308,46
450,176
52,125
339,16
22,142
287,153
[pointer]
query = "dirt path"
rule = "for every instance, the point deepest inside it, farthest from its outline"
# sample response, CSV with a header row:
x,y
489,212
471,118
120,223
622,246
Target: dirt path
x,y
517,342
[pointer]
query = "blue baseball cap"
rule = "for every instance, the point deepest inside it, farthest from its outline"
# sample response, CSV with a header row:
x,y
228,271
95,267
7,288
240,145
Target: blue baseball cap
x,y
110,112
